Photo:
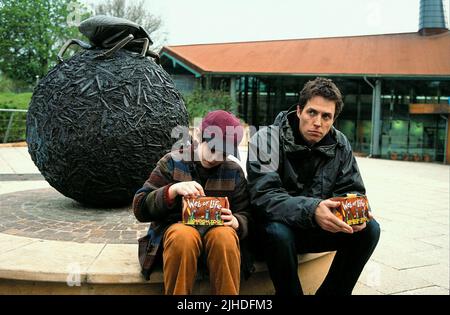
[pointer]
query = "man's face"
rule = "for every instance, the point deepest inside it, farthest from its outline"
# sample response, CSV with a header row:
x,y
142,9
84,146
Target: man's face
x,y
316,118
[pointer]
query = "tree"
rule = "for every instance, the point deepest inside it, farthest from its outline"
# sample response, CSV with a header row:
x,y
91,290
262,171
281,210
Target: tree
x,y
31,34
137,13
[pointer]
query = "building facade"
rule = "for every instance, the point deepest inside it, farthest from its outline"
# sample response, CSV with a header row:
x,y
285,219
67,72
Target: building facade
x,y
396,87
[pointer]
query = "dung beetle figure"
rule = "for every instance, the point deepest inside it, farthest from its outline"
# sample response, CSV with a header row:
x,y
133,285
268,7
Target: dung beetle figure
x,y
99,121
112,33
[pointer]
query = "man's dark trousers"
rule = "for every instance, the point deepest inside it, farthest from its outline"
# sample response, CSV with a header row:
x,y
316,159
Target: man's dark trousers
x,y
282,244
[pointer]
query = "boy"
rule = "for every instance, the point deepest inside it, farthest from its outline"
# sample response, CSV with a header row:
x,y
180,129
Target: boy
x,y
205,171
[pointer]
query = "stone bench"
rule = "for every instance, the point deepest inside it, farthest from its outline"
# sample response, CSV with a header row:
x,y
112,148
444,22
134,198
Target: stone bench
x,y
34,266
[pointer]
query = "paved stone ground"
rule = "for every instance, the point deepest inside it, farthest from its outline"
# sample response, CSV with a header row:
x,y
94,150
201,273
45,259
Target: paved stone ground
x,y
46,214
410,201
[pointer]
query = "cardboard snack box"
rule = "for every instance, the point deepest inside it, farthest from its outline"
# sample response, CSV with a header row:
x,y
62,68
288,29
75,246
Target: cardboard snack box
x,y
203,210
353,209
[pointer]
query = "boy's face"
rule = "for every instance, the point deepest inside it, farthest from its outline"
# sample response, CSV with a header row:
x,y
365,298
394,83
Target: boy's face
x,y
210,158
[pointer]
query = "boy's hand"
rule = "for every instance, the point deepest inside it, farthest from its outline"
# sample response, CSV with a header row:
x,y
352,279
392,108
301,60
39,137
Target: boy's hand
x,y
186,189
229,219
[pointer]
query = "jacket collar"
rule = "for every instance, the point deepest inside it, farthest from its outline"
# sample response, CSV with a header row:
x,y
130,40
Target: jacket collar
x,y
327,146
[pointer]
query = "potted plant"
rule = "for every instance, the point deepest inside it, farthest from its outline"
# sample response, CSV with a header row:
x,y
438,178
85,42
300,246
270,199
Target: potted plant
x,y
426,157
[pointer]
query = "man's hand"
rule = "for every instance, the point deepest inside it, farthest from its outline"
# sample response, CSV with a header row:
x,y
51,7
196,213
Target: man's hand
x,y
360,227
327,220
186,189
229,219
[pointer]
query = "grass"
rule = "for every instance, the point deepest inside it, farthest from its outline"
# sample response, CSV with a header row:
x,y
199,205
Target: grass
x,y
15,101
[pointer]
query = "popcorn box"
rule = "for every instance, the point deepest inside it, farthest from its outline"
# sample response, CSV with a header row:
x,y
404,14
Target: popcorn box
x,y
203,210
353,209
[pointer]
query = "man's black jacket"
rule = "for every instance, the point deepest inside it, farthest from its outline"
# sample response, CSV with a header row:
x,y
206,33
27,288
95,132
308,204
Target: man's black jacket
x,y
287,179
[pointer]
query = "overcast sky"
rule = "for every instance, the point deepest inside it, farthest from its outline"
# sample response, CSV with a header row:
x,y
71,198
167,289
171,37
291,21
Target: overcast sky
x,y
215,21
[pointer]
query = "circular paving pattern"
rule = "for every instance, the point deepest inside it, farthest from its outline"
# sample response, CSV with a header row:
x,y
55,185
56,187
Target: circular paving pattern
x,y
47,214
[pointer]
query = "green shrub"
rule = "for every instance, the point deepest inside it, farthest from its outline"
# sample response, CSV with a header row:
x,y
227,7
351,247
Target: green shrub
x,y
6,85
11,86
200,102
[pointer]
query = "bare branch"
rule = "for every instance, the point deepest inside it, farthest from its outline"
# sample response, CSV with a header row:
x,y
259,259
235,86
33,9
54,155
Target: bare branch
x,y
137,12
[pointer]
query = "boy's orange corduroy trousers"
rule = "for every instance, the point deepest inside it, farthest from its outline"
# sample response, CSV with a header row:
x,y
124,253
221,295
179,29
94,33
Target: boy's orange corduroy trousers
x,y
182,248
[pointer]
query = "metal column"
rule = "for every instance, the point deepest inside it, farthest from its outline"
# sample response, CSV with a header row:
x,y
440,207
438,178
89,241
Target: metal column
x,y
376,119
233,89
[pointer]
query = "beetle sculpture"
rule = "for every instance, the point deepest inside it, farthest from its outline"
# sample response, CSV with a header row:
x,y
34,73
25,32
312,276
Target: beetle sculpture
x,y
99,121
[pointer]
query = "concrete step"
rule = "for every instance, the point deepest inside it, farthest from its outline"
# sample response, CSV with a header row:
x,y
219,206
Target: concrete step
x,y
35,266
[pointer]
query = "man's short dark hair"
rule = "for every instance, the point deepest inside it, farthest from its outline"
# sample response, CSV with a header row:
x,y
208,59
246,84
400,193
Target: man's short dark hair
x,y
322,87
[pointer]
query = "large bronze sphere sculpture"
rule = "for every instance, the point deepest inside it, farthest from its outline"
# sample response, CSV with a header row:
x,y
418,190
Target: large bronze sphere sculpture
x,y
99,121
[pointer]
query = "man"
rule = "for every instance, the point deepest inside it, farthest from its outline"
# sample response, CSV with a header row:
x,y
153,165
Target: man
x,y
292,197
204,170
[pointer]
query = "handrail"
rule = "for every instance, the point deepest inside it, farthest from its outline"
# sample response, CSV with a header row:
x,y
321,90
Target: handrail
x,y
10,121
13,110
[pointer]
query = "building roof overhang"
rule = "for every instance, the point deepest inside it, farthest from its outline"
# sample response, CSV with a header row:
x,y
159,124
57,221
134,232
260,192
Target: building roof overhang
x,y
407,55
